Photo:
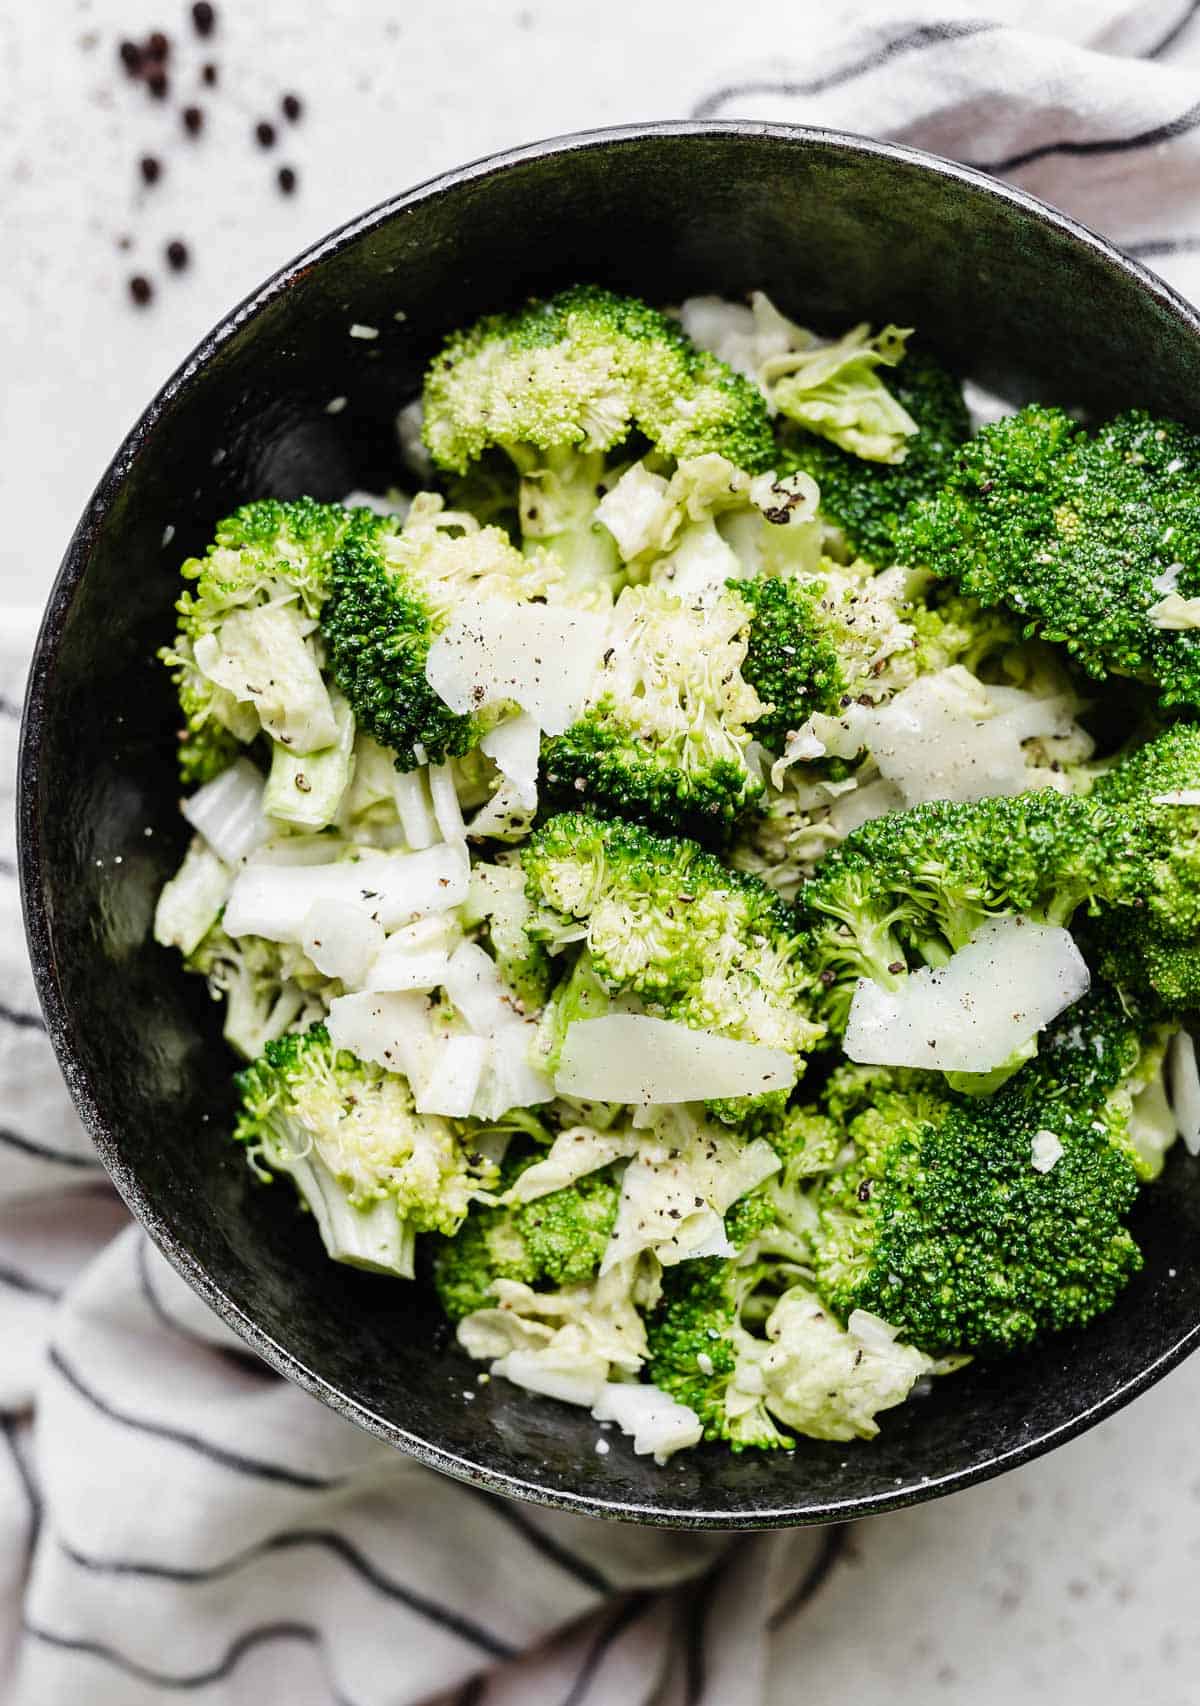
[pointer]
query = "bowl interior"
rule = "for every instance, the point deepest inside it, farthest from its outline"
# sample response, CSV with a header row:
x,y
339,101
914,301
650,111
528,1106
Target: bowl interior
x,y
283,401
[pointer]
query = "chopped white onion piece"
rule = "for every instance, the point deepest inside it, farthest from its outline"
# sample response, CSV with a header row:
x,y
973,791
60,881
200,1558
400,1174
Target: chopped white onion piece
x,y
446,808
415,957
273,900
190,903
658,1424
341,940
628,1057
416,811
228,812
477,990
540,656
299,850
976,1011
1185,1090
1045,1150
514,746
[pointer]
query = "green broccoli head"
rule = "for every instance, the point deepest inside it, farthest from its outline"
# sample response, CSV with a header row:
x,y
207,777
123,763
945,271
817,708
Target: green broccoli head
x,y
1074,532
698,1347
663,734
264,552
556,1240
582,371
867,500
668,923
916,885
561,384
944,1225
792,660
372,1170
390,595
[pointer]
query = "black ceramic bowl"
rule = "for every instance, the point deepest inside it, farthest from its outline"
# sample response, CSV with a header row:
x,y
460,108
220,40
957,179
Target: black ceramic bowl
x,y
835,229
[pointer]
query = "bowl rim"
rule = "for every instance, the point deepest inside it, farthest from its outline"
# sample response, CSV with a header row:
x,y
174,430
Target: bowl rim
x,y
62,1027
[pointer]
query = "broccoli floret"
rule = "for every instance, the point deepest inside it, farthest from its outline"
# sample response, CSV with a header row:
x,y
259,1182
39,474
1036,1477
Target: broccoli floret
x,y
557,1240
918,884
791,660
581,994
265,552
373,1171
561,383
664,730
390,595
497,901
697,1340
867,500
1073,531
269,988
668,923
945,1227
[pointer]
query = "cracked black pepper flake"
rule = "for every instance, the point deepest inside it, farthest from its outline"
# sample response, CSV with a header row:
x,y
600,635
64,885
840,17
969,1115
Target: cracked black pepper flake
x,y
131,57
157,46
150,166
204,18
140,289
193,120
177,255
264,133
208,75
158,83
286,179
292,106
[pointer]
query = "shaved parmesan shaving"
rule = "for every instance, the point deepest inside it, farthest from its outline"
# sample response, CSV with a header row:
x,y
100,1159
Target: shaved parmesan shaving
x,y
1175,612
657,1423
446,808
1045,1150
973,1013
627,1057
542,657
509,1080
273,900
1168,580
574,1153
477,990
415,957
1178,797
514,746
341,940
392,1030
1185,1091
950,737
448,1077
633,510
228,812
567,1376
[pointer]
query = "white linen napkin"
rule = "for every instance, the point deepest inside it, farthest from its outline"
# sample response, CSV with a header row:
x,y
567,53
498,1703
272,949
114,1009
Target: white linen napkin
x,y
175,1520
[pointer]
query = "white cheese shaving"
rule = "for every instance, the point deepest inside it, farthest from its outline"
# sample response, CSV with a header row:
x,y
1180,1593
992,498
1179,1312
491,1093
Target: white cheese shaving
x,y
975,1012
1175,613
657,1423
1185,1090
1045,1150
514,746
628,1057
540,656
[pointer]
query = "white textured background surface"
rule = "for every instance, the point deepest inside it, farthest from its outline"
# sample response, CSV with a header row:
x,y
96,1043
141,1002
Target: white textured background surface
x,y
1070,1582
